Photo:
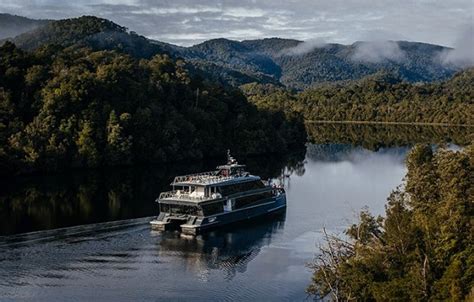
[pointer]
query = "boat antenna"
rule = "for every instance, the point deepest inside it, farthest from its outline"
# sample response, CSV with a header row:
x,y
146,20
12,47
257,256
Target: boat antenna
x,y
230,159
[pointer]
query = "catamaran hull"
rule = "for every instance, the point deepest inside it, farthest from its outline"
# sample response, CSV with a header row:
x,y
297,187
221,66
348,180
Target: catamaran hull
x,y
276,205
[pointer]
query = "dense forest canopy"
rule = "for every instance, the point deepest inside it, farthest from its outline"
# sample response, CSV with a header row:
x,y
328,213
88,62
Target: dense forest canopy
x,y
383,97
75,107
277,58
271,60
85,92
422,250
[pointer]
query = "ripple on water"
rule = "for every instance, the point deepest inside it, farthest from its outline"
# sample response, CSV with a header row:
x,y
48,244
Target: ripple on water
x,y
259,261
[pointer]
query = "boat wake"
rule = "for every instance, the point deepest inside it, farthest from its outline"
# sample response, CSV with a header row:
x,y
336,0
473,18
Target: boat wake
x,y
74,233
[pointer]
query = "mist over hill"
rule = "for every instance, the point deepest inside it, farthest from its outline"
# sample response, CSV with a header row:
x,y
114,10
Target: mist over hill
x,y
292,63
11,25
284,60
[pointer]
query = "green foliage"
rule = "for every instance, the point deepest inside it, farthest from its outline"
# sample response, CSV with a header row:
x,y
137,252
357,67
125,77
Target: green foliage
x,y
422,250
66,32
119,145
75,107
86,146
380,98
328,63
236,63
376,136
91,32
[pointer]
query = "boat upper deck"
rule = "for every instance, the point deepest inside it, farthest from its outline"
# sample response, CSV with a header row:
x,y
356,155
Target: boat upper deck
x,y
205,186
204,194
206,178
232,170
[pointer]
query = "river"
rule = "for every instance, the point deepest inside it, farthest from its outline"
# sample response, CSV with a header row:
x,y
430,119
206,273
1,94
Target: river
x,y
85,236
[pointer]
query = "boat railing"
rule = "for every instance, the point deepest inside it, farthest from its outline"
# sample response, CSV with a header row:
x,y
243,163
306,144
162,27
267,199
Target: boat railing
x,y
179,195
202,178
189,177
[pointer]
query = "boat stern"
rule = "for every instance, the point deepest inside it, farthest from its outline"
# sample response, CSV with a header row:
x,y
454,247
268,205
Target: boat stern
x,y
189,229
157,225
185,223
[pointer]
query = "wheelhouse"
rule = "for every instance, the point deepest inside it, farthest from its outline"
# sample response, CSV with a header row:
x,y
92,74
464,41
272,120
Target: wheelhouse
x,y
215,199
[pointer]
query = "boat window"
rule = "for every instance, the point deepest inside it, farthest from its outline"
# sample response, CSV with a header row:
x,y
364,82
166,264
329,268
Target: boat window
x,y
252,200
224,172
213,208
178,209
240,187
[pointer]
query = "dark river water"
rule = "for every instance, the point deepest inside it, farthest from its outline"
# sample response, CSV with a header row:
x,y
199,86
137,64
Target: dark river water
x,y
86,237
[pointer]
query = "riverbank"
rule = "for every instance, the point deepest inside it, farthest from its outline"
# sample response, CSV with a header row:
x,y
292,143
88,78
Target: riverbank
x,y
389,123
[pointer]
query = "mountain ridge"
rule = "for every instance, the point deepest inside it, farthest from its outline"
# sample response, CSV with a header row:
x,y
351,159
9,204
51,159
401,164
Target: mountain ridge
x,y
13,25
270,60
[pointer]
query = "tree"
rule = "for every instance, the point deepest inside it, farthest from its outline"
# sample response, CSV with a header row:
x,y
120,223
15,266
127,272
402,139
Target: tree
x,y
87,149
422,250
119,145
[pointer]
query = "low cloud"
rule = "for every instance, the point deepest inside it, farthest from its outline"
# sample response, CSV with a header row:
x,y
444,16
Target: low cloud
x,y
337,21
377,51
462,55
304,47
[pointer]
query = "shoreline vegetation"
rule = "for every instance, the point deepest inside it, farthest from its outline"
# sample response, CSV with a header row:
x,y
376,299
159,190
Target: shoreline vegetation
x,y
71,100
422,250
379,98
86,94
388,123
376,136
74,107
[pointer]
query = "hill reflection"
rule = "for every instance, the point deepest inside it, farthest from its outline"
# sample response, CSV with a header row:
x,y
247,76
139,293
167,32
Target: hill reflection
x,y
84,197
376,136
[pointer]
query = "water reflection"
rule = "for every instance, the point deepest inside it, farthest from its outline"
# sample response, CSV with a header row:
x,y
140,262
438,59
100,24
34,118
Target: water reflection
x,y
376,136
56,258
50,202
228,249
346,152
124,261
84,197
130,259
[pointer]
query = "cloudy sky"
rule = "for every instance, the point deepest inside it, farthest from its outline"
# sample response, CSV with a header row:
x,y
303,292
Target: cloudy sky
x,y
187,22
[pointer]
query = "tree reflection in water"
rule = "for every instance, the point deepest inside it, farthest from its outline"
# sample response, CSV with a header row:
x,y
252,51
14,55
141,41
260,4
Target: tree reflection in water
x,y
83,197
376,136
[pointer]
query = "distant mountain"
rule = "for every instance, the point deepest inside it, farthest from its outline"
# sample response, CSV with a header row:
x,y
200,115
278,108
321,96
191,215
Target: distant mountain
x,y
11,25
99,33
292,63
326,63
93,32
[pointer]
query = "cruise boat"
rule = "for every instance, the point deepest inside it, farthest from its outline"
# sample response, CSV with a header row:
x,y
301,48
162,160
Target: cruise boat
x,y
207,200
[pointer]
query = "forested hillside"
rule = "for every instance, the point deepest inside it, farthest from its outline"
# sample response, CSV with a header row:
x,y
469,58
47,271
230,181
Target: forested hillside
x,y
76,107
102,34
422,250
93,32
85,92
382,97
270,60
417,62
11,25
